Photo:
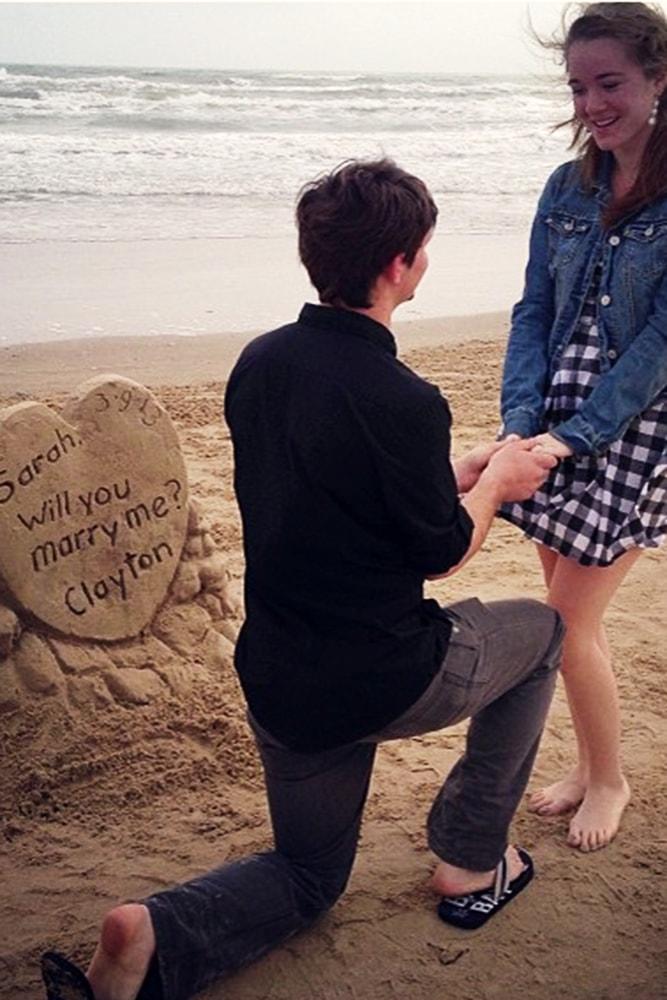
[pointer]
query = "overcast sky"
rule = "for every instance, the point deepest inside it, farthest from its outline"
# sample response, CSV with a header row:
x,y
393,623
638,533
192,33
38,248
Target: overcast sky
x,y
401,36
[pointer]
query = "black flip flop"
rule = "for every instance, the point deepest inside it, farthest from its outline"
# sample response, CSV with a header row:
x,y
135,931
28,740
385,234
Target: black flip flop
x,y
471,911
65,981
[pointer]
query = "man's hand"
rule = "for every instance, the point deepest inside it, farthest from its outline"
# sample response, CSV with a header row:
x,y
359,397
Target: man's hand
x,y
470,466
550,444
515,471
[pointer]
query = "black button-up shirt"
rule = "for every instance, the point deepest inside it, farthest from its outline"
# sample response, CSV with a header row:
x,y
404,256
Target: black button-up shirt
x,y
348,501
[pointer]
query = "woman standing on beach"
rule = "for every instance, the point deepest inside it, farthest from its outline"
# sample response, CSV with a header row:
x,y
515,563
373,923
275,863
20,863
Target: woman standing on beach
x,y
586,371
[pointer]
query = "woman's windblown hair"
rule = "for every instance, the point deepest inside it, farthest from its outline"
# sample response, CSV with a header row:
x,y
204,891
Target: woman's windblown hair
x,y
642,31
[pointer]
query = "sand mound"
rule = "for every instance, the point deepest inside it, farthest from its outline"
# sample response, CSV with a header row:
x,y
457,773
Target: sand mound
x,y
120,722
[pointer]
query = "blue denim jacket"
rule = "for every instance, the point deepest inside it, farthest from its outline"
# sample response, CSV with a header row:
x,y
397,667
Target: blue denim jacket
x,y
566,241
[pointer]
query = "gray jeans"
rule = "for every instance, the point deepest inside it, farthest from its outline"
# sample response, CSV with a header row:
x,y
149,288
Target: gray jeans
x,y
500,669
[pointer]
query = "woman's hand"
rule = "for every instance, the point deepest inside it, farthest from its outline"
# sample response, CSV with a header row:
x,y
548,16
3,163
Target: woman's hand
x,y
550,444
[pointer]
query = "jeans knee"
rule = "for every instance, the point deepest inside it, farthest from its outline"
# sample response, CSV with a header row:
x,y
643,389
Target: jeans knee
x,y
554,649
548,631
317,891
547,626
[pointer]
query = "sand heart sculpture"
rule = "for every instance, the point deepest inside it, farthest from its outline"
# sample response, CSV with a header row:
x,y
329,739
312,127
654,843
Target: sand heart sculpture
x,y
93,508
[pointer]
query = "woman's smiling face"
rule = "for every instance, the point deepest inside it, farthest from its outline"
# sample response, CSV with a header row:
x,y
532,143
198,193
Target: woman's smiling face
x,y
612,96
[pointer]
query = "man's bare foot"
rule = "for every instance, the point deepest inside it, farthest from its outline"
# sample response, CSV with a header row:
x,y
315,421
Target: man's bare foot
x,y
598,818
561,797
124,952
448,880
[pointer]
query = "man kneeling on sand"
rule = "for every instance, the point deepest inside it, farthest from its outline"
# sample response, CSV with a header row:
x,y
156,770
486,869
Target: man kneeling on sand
x,y
349,502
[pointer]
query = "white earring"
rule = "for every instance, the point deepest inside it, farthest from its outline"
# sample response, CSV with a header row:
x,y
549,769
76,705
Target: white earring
x,y
653,117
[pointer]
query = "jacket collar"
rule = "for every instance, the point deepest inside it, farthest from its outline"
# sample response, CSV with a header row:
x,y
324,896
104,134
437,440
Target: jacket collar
x,y
602,182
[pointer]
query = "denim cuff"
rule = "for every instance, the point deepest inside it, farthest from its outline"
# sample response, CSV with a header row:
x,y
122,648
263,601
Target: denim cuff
x,y
520,421
578,434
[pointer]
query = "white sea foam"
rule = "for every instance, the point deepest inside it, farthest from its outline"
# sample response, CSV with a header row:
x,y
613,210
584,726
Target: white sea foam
x,y
106,154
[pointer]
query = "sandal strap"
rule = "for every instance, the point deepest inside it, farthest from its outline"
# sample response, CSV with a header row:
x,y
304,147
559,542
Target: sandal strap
x,y
501,883
63,979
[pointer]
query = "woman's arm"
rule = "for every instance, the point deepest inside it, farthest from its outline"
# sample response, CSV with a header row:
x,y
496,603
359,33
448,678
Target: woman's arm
x,y
526,366
625,390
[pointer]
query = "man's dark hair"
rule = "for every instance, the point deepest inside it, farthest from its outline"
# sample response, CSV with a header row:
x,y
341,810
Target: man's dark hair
x,y
354,221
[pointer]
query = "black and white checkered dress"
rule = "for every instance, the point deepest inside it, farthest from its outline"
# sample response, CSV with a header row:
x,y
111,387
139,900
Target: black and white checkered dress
x,y
593,508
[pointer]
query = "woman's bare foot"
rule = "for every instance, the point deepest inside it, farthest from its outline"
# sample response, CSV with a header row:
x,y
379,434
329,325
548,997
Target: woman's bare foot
x,y
561,797
448,880
124,952
598,818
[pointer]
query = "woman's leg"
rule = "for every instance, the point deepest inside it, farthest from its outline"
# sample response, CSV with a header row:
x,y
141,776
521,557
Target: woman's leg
x,y
581,594
568,792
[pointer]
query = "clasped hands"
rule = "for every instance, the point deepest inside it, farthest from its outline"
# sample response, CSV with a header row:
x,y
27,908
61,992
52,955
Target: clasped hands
x,y
544,442
517,465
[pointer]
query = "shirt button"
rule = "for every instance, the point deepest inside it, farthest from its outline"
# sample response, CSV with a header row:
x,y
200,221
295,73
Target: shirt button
x,y
611,353
605,300
614,240
649,230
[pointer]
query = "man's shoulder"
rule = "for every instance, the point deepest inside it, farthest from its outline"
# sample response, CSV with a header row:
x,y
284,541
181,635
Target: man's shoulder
x,y
262,352
269,342
331,362
415,387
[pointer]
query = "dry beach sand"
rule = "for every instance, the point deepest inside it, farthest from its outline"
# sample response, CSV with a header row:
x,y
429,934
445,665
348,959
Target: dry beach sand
x,y
110,794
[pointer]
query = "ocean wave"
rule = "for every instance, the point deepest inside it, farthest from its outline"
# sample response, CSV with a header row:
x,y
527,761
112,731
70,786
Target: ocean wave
x,y
151,151
157,123
166,103
20,93
200,112
152,85
324,76
41,194
241,191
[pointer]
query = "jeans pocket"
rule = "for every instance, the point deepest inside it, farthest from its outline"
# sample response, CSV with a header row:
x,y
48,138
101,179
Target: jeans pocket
x,y
461,665
473,627
444,702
